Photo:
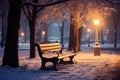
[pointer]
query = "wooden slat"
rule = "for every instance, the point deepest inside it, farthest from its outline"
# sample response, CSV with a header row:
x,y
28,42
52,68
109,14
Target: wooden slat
x,y
50,48
50,44
66,55
48,51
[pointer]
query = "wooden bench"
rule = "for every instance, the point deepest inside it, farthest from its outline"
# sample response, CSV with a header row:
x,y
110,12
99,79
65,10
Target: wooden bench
x,y
52,52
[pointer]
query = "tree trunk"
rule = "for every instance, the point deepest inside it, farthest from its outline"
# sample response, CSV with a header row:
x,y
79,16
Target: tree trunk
x,y
62,34
61,28
32,38
77,43
10,57
102,40
116,18
32,23
74,40
80,35
71,38
115,39
25,39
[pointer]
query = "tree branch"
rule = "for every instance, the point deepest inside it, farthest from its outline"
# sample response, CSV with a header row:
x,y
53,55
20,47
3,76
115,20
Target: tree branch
x,y
113,2
29,12
26,14
40,9
43,5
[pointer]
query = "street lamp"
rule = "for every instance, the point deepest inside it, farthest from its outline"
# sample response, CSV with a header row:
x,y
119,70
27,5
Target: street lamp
x,y
43,34
22,34
107,32
96,45
88,30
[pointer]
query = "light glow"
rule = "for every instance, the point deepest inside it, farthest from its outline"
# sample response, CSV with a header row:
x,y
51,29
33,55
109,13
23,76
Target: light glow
x,y
88,30
96,22
43,33
22,34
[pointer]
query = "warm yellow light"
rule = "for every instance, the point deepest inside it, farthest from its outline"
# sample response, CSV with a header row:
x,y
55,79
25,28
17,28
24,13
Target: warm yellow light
x,y
43,32
96,22
22,34
88,30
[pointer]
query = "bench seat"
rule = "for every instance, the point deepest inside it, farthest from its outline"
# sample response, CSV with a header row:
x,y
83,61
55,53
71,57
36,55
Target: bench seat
x,y
61,56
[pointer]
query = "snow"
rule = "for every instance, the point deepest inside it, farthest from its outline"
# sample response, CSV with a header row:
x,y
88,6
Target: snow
x,y
86,67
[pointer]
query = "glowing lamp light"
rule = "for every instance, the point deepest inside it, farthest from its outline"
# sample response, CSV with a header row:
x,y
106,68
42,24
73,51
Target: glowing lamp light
x,y
96,22
43,32
88,30
107,30
22,34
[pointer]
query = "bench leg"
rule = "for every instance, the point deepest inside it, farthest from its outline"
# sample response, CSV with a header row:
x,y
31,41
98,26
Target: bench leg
x,y
71,59
53,60
61,61
43,67
54,64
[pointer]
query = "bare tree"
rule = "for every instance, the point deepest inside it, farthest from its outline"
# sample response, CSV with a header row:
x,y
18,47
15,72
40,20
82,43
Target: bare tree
x,y
10,57
31,16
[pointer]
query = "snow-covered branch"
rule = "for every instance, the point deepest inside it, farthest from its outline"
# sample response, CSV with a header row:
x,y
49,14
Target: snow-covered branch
x,y
43,5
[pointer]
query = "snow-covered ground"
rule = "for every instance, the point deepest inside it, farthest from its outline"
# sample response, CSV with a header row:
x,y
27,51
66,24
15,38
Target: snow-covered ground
x,y
86,67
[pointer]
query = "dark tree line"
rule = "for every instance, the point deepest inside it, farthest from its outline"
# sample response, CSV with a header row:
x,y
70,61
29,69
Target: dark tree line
x,y
115,19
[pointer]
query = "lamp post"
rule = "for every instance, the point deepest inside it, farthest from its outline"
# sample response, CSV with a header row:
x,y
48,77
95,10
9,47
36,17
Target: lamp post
x,y
96,45
43,34
22,34
88,30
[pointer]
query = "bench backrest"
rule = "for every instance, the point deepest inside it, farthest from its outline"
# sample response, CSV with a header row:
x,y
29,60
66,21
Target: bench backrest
x,y
49,47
